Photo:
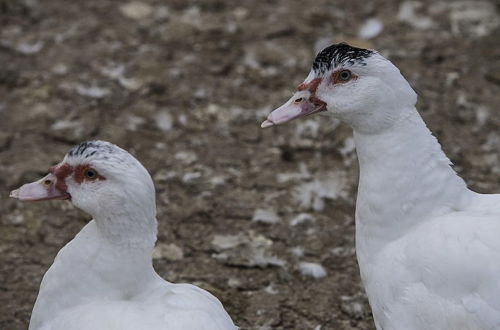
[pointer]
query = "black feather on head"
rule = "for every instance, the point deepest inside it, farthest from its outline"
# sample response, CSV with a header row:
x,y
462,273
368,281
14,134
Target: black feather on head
x,y
93,148
339,54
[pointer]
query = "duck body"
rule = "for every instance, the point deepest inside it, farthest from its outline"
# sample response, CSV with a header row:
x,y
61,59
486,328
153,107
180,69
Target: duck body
x,y
427,246
93,284
438,276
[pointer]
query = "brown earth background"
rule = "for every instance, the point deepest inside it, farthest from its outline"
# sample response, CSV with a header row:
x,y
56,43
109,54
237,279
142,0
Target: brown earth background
x,y
184,86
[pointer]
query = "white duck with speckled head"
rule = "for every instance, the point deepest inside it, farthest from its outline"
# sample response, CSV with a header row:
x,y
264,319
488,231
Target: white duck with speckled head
x,y
428,248
104,278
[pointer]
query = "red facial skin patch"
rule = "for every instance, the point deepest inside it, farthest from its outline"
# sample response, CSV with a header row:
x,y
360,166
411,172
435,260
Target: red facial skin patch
x,y
318,103
61,172
79,175
336,78
312,86
65,170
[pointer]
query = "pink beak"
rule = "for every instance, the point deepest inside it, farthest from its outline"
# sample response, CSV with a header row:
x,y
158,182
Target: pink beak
x,y
41,190
299,105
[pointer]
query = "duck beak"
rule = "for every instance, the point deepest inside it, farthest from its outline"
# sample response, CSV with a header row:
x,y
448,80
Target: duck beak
x,y
41,190
299,105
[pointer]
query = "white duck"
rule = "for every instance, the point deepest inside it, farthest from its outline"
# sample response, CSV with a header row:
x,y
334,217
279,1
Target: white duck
x,y
104,278
428,248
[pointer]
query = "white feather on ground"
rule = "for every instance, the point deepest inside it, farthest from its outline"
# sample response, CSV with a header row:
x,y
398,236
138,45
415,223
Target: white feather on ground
x,y
311,269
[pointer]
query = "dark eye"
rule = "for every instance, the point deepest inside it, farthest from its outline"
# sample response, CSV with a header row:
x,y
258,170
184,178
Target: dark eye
x,y
345,75
90,174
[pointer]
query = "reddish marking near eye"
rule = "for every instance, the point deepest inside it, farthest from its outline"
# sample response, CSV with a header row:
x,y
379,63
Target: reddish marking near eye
x,y
317,102
80,173
336,78
65,170
61,172
311,86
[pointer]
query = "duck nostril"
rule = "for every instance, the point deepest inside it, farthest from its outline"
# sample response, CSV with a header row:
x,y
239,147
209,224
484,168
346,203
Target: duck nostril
x,y
47,182
298,100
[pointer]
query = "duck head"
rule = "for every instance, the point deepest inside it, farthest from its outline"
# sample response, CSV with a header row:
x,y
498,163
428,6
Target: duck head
x,y
98,177
358,86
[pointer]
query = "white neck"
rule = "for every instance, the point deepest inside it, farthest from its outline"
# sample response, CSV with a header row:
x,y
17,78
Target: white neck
x,y
126,260
128,228
404,179
98,264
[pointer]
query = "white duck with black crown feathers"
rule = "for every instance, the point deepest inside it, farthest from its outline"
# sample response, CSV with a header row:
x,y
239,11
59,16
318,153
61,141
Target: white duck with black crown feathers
x,y
104,278
428,248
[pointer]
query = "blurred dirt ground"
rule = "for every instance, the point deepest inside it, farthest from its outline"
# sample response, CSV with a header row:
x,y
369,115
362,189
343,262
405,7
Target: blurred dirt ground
x,y
184,86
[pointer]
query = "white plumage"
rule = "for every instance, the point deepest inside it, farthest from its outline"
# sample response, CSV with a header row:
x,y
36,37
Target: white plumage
x,y
104,278
428,247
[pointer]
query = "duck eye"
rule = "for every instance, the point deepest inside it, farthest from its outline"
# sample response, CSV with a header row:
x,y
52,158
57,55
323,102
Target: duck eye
x,y
90,173
345,75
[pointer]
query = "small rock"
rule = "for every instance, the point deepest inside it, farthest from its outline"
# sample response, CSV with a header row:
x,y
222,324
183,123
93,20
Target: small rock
x,y
134,121
136,10
302,217
294,176
65,124
60,69
371,28
234,283
164,121
297,251
271,289
311,269
341,251
262,259
131,84
164,175
218,180
190,177
15,219
265,216
354,307
117,73
91,91
240,13
29,48
186,157
224,242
